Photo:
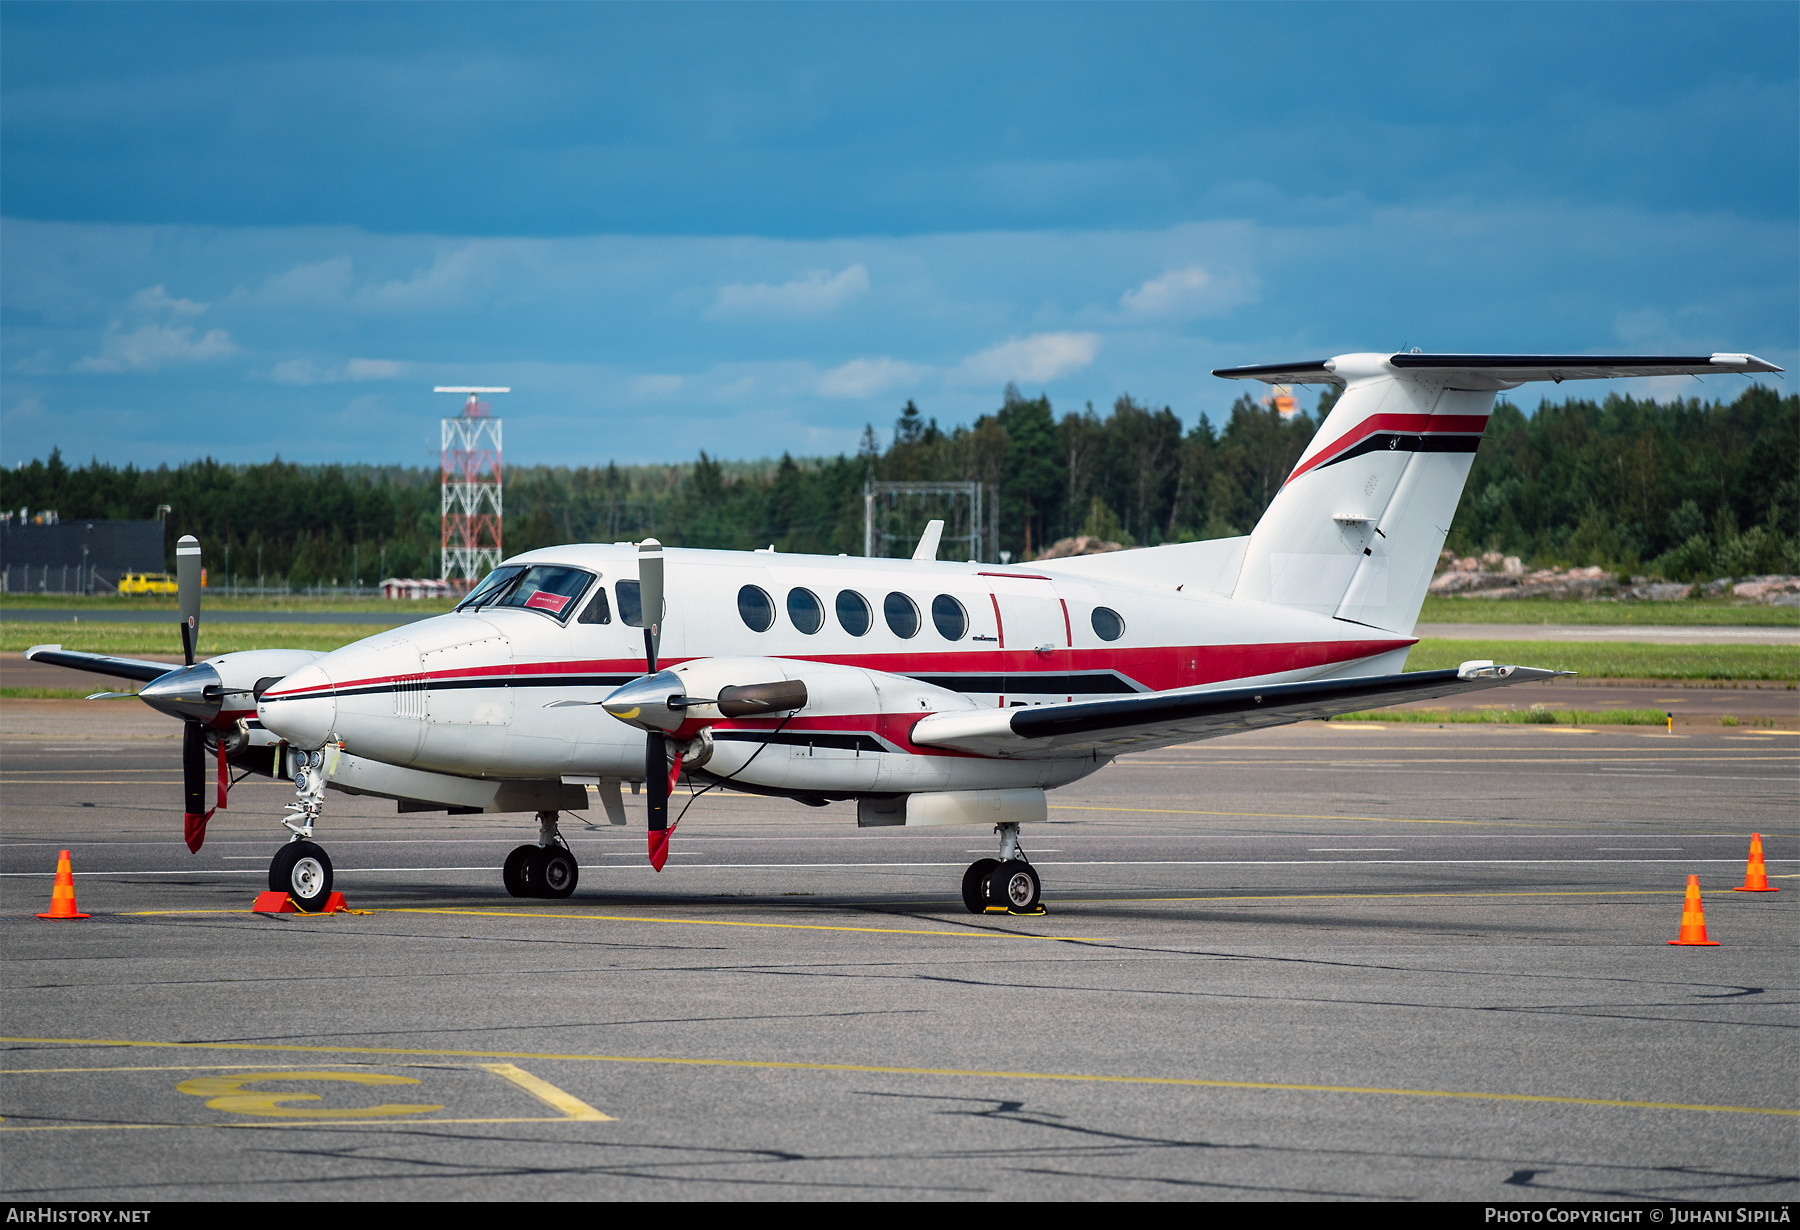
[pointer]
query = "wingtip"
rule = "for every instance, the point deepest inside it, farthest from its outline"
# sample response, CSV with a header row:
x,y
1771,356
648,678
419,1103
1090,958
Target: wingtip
x,y
41,649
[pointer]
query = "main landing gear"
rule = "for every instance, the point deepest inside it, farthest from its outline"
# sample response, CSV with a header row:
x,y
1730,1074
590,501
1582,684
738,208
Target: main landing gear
x,y
302,869
1004,885
544,870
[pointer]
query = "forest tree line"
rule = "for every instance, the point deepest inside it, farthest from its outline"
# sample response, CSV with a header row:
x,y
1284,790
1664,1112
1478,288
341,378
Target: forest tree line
x,y
1684,490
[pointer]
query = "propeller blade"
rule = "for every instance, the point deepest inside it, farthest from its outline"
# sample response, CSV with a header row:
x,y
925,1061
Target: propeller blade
x,y
656,747
194,783
650,594
656,793
187,592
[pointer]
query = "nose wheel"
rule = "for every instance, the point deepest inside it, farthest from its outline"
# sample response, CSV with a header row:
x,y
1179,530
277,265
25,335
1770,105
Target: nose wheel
x,y
1004,885
302,870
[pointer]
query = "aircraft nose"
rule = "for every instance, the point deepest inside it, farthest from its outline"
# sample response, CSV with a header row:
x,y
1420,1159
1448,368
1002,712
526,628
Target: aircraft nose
x,y
191,693
301,708
645,702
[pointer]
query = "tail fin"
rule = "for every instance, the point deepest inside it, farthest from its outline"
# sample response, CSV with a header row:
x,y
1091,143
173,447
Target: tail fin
x,y
1356,529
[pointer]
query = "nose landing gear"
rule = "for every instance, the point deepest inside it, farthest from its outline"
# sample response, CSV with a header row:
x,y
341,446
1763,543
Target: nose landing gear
x,y
1006,885
301,868
547,869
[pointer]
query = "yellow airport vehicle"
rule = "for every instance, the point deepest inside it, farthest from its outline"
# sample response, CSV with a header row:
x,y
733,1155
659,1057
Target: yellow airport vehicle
x,y
146,583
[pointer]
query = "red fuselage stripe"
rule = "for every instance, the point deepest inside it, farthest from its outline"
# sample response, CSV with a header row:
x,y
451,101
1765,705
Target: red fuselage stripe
x,y
1411,424
1154,667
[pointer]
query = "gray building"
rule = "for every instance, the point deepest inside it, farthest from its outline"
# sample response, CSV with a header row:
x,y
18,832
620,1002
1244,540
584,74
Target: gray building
x,y
76,557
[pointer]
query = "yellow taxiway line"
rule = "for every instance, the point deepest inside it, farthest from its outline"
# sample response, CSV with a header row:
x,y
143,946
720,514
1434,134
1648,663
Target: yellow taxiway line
x,y
893,1070
689,922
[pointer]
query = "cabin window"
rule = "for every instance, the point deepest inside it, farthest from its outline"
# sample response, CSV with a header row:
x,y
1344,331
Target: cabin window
x,y
631,604
805,610
948,614
756,608
599,611
901,614
853,612
490,587
550,588
1108,626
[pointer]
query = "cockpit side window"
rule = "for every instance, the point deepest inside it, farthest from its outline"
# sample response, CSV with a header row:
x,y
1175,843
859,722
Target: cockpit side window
x,y
631,605
491,587
550,588
598,611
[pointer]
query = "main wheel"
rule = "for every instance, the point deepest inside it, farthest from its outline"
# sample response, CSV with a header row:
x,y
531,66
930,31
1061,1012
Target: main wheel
x,y
554,872
1014,884
303,871
513,873
975,884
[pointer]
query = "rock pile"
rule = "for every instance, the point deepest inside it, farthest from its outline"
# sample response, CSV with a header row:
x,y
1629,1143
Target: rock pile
x,y
1081,544
1774,590
1496,576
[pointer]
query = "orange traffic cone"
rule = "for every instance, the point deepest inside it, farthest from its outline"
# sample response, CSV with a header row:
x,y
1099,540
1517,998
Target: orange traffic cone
x,y
1756,876
62,897
1693,918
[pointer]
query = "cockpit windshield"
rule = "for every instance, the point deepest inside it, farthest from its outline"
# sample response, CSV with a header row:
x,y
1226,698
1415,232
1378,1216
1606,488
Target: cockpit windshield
x,y
490,587
549,588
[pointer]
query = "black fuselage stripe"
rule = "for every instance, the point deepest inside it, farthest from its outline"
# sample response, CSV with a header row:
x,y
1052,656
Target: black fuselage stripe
x,y
1409,442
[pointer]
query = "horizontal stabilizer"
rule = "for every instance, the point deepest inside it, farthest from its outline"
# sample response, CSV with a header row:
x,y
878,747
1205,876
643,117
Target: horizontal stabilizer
x,y
99,663
1505,370
1162,719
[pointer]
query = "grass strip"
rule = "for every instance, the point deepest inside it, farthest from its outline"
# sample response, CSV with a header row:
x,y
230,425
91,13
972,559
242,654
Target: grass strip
x,y
133,638
1626,660
1697,612
1537,715
376,608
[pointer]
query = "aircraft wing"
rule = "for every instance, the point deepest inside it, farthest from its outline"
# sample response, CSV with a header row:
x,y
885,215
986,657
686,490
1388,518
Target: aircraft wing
x,y
99,663
1161,719
1507,370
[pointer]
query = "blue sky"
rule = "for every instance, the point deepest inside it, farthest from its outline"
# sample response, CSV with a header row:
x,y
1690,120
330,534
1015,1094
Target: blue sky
x,y
239,230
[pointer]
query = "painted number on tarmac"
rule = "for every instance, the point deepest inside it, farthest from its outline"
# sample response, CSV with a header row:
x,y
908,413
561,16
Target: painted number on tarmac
x,y
228,1093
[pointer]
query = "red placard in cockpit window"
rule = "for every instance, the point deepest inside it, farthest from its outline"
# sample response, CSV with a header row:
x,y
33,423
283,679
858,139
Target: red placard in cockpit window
x,y
543,600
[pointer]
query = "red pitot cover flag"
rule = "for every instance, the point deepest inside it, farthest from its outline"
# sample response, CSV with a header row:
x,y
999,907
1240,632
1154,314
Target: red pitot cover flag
x,y
659,847
543,600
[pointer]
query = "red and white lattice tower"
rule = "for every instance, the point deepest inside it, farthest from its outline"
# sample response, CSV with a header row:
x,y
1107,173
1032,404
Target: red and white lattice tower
x,y
471,490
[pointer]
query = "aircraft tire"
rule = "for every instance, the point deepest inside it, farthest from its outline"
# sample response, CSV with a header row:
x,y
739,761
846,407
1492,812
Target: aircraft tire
x,y
514,872
554,873
1014,884
302,870
975,884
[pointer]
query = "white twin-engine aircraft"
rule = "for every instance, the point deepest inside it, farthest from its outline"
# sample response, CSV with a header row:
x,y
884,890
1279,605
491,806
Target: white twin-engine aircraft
x,y
925,692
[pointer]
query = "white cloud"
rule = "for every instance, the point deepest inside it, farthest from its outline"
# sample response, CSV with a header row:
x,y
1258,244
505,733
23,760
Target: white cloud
x,y
1035,359
156,299
148,347
867,377
353,371
372,369
816,291
1188,291
315,283
655,385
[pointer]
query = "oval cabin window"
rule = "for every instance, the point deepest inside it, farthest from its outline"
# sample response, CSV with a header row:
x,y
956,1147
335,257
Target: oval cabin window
x,y
1107,624
901,615
948,614
854,615
756,608
805,610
